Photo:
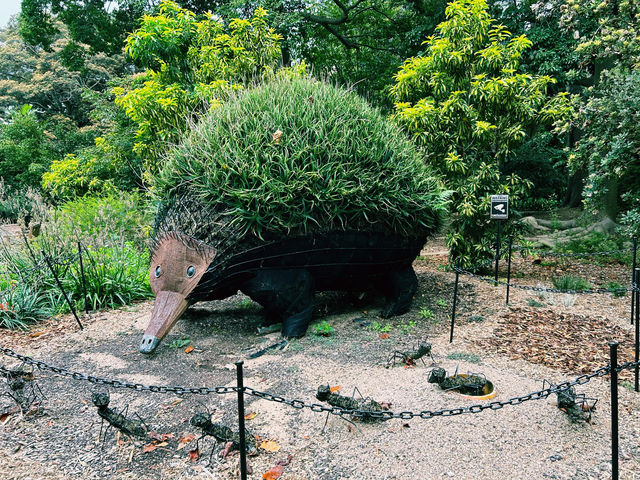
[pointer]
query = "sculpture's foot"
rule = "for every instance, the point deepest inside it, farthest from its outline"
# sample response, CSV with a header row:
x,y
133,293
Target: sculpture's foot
x,y
400,288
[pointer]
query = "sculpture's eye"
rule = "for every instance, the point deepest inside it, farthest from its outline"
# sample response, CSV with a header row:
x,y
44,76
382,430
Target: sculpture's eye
x,y
191,271
158,271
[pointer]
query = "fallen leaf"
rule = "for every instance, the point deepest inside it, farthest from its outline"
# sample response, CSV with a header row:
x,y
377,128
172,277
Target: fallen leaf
x,y
250,416
270,446
334,389
176,402
224,453
194,454
37,334
384,335
149,447
286,461
187,438
273,473
189,349
4,416
276,136
160,437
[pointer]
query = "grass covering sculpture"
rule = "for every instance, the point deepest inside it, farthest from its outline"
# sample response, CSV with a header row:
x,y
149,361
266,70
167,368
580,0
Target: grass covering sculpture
x,y
289,188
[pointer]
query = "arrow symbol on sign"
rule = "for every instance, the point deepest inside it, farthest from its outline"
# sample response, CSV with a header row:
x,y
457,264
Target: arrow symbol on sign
x,y
499,207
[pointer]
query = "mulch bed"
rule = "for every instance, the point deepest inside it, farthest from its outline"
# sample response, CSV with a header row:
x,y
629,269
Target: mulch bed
x,y
549,338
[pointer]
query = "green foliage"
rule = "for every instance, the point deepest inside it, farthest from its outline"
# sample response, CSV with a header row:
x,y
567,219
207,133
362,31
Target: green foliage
x,y
102,221
609,148
466,102
294,156
619,290
597,242
378,327
426,314
179,343
323,329
19,203
532,302
442,303
570,282
192,65
24,149
102,25
116,263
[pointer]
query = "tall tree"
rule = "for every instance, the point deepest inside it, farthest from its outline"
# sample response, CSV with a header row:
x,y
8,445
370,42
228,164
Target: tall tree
x,y
468,104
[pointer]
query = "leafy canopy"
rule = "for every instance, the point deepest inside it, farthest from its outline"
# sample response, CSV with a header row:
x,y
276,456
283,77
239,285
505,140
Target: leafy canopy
x,y
191,63
609,149
298,155
467,104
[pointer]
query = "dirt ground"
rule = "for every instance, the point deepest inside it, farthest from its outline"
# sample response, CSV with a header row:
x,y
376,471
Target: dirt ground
x,y
538,337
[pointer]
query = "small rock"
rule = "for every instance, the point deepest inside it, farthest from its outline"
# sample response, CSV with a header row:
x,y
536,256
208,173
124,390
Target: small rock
x,y
555,458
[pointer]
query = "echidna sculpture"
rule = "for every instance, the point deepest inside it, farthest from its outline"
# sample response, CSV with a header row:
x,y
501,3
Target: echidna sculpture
x,y
205,247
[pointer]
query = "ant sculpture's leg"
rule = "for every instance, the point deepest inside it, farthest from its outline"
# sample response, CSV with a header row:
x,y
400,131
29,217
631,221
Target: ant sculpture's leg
x,y
326,420
355,389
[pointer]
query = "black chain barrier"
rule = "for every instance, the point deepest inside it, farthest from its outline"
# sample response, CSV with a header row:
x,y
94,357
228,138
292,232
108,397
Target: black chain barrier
x,y
633,288
546,253
139,387
315,407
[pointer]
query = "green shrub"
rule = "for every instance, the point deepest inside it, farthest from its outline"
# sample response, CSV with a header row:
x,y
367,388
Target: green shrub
x,y
298,155
569,282
598,242
101,221
22,304
323,329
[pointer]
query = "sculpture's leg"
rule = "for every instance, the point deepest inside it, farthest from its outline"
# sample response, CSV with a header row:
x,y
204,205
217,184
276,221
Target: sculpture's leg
x,y
400,287
285,294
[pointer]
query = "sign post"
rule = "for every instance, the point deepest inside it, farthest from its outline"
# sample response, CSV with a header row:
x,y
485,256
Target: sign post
x,y
499,211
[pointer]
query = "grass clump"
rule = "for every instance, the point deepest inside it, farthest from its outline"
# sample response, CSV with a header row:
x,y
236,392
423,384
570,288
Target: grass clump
x,y
294,156
323,329
569,282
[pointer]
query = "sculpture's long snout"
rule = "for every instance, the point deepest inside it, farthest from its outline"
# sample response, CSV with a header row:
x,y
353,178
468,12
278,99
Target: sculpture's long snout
x,y
168,307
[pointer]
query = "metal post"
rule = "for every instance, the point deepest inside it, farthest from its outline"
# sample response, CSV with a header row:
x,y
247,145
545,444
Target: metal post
x,y
637,357
84,283
64,294
499,222
633,270
613,362
455,300
243,441
509,269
